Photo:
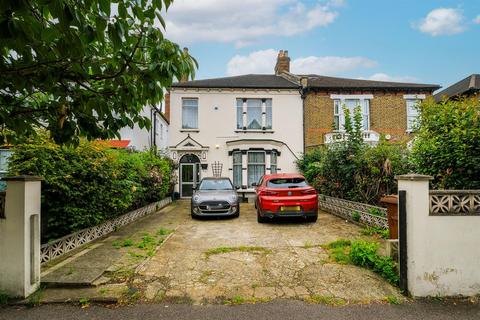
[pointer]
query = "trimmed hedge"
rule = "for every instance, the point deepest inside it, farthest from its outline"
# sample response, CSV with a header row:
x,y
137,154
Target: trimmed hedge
x,y
89,184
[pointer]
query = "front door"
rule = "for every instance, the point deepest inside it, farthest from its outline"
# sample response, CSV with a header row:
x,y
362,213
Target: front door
x,y
189,174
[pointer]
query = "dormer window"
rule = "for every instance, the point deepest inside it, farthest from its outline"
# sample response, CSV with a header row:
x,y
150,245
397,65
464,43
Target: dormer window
x,y
254,114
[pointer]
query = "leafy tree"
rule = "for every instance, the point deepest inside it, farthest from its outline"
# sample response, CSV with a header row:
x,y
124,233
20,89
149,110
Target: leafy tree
x,y
83,68
447,144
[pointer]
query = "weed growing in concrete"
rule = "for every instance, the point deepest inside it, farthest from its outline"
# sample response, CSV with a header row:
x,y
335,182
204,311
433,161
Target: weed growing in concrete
x,y
376,231
163,232
392,300
241,300
122,243
35,298
221,250
84,302
4,297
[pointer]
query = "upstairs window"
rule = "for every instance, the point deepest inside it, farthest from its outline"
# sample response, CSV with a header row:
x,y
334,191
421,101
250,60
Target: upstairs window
x,y
350,105
412,113
189,113
254,114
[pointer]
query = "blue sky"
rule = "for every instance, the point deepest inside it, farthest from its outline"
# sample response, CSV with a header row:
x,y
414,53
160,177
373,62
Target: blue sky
x,y
409,40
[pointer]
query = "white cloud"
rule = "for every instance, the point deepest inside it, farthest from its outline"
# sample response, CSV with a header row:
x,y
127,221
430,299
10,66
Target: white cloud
x,y
263,61
246,21
385,77
477,19
443,21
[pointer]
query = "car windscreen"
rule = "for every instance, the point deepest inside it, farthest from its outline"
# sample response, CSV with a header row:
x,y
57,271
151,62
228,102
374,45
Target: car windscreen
x,y
287,183
215,184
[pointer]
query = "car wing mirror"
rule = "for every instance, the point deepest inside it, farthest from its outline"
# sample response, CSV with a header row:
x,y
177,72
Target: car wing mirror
x,y
254,184
237,187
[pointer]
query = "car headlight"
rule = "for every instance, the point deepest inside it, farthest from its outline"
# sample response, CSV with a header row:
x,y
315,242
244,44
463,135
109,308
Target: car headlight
x,y
233,198
196,198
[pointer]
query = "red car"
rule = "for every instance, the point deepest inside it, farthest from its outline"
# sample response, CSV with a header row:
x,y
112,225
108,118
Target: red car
x,y
285,195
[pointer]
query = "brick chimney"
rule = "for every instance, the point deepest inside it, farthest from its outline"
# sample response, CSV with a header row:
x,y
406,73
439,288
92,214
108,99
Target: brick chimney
x,y
184,77
283,62
166,112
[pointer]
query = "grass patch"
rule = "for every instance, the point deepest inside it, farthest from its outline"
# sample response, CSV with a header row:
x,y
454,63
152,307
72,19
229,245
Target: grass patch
x,y
4,297
117,244
376,232
363,254
327,300
163,232
35,298
222,250
392,300
242,300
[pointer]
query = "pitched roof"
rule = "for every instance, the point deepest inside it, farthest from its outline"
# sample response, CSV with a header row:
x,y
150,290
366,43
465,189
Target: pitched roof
x,y
248,81
324,82
464,86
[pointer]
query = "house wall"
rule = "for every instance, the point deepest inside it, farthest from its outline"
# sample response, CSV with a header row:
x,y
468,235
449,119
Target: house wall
x,y
388,115
218,124
442,251
142,139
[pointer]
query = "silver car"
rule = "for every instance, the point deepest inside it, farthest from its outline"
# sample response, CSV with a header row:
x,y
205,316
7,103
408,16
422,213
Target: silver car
x,y
215,197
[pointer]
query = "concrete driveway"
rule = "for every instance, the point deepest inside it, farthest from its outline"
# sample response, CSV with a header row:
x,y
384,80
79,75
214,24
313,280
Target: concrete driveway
x,y
239,260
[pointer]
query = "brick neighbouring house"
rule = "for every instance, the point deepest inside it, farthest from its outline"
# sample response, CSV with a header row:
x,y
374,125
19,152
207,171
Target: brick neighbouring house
x,y
387,107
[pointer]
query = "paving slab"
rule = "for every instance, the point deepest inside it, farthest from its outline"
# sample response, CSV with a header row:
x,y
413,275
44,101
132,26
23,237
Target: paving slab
x,y
83,267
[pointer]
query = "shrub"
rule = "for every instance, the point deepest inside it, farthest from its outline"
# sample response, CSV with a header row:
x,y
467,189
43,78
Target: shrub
x,y
353,170
89,184
364,254
447,143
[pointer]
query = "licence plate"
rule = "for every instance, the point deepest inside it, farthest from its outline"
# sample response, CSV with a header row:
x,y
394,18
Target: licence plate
x,y
290,208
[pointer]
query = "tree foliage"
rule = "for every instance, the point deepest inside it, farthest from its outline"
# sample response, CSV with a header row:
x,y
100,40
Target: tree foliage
x,y
83,68
447,143
353,170
88,184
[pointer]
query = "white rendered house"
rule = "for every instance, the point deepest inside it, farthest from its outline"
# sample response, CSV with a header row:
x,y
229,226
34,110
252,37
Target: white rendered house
x,y
239,127
144,139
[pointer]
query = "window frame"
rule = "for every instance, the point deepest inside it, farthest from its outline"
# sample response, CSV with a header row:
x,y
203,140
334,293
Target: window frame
x,y
273,155
265,119
183,114
237,165
249,164
410,124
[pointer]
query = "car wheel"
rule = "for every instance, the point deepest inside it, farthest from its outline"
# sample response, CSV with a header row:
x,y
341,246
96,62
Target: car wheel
x,y
312,219
237,214
260,219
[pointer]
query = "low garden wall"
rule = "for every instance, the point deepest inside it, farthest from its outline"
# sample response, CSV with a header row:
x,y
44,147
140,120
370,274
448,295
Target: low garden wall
x,y
59,247
354,211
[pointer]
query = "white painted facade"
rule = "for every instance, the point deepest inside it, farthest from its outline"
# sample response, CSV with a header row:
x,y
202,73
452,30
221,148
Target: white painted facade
x,y
143,139
218,137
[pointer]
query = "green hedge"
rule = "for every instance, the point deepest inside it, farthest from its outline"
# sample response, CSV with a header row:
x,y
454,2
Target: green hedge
x,y
89,184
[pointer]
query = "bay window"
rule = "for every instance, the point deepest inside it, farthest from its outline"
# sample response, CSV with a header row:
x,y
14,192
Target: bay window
x,y
256,166
273,162
189,113
237,168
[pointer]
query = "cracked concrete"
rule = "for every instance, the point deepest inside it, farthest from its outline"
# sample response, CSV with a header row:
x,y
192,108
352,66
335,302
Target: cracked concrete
x,y
293,264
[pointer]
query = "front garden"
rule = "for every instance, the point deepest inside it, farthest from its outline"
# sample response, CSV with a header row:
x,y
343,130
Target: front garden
x,y
90,183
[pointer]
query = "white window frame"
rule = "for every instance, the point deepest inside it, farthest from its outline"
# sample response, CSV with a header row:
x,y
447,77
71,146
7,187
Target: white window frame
x,y
255,164
237,164
412,116
339,116
183,106
266,122
273,164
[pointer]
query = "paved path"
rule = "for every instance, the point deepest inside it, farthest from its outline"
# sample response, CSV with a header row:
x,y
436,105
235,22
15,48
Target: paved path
x,y
240,260
276,310
217,261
